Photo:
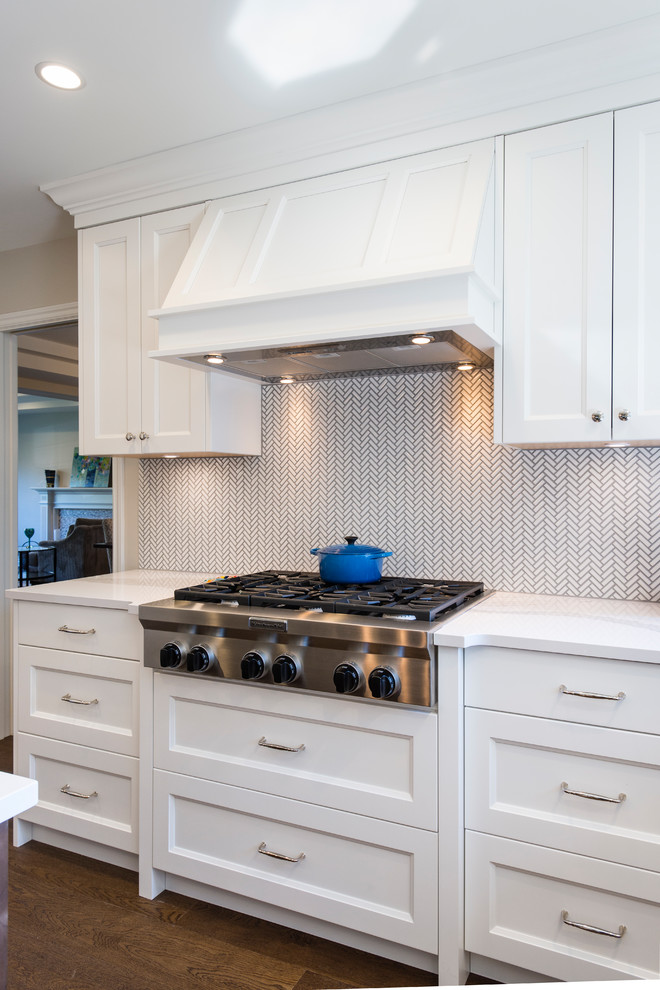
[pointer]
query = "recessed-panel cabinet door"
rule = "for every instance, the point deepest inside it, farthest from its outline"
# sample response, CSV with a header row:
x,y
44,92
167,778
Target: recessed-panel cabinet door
x,y
109,293
636,382
556,382
173,397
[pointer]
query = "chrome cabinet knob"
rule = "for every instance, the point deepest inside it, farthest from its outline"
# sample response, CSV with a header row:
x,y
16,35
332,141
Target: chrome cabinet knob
x,y
130,436
624,414
597,417
144,436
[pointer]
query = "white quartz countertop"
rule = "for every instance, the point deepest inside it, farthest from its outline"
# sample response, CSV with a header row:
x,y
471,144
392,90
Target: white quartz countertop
x,y
125,589
17,794
621,630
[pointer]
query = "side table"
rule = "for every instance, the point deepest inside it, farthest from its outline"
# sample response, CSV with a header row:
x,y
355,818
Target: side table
x,y
44,569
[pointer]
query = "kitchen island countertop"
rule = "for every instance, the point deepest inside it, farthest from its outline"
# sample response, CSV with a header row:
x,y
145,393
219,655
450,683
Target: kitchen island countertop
x,y
621,630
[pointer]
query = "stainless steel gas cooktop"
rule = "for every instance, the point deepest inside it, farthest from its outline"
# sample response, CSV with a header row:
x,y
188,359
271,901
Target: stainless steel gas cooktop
x,y
290,630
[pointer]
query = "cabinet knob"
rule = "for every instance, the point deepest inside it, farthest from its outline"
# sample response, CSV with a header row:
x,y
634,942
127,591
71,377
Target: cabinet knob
x,y
144,436
130,436
624,414
597,417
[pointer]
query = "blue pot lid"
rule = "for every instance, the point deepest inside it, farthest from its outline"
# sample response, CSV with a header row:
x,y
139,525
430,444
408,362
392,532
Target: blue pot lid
x,y
351,547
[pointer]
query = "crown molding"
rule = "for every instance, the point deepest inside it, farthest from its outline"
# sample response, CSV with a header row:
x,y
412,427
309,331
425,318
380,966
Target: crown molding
x,y
29,319
606,70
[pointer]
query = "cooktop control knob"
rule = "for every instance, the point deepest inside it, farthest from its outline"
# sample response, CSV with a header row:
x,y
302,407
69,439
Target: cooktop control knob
x,y
346,678
383,682
253,666
285,669
200,658
172,655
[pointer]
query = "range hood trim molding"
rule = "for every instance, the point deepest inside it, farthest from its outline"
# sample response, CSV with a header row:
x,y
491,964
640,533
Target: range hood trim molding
x,y
244,299
439,302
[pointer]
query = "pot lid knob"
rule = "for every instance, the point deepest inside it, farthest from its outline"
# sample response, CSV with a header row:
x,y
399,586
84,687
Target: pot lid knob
x,y
351,539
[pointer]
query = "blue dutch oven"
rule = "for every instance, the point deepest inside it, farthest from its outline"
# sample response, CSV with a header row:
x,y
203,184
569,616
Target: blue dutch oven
x,y
351,563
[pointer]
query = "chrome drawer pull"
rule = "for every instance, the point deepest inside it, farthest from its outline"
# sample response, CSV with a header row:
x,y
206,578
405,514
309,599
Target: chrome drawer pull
x,y
77,701
67,790
289,859
592,694
289,749
592,797
76,632
590,928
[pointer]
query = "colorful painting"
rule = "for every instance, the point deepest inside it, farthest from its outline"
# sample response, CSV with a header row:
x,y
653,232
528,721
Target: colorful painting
x,y
90,472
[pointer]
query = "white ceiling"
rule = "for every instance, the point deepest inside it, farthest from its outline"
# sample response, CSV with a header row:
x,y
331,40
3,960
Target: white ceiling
x,y
163,73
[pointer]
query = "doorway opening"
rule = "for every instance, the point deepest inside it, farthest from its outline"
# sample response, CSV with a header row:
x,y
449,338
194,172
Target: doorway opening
x,y
64,507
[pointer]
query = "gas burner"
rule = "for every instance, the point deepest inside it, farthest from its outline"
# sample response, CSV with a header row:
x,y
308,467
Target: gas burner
x,y
404,598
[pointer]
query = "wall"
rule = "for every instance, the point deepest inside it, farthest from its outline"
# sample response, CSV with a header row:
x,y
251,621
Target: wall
x,y
45,440
39,275
407,462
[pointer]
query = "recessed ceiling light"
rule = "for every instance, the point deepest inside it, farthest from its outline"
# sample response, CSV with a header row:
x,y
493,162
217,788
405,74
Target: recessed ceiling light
x,y
465,366
213,358
58,75
421,338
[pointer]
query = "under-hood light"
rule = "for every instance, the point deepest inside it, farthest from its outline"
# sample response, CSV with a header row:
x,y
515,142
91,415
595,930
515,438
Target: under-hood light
x,y
287,380
421,338
214,358
465,366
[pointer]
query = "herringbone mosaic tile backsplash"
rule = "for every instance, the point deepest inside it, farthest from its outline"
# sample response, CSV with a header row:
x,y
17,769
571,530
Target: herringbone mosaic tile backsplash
x,y
406,462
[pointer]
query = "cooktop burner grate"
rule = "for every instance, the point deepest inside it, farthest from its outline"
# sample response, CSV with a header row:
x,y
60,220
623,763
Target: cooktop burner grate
x,y
393,597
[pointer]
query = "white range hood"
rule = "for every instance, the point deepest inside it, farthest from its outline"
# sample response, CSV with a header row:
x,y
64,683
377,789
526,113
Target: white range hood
x,y
335,273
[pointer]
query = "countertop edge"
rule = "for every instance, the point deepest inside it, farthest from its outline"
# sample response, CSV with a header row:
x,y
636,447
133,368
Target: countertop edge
x,y
545,645
17,794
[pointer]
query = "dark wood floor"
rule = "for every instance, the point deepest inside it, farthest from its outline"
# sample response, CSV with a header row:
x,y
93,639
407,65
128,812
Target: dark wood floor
x,y
77,924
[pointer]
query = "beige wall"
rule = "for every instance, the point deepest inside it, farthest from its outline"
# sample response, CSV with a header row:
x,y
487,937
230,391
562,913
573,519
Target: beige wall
x,y
38,276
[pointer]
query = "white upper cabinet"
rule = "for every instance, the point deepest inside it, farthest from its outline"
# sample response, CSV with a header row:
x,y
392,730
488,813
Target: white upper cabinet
x,y
636,345
129,403
581,293
556,356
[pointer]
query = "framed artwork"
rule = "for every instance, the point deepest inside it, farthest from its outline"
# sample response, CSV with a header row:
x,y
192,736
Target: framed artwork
x,y
90,472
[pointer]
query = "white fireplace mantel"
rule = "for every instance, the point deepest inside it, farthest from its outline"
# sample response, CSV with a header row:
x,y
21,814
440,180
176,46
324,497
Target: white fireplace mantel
x,y
53,500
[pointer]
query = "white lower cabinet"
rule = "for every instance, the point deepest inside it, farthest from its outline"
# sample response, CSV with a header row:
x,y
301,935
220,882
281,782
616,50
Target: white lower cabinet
x,y
76,716
319,806
570,917
582,788
356,872
83,792
366,759
562,814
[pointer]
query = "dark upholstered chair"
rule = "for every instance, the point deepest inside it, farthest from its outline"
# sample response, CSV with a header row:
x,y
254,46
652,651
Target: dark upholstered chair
x,y
76,555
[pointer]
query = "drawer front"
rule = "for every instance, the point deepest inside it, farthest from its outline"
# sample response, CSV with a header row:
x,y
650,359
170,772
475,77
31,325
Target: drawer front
x,y
111,632
516,896
370,876
107,815
522,769
534,683
352,756
78,698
